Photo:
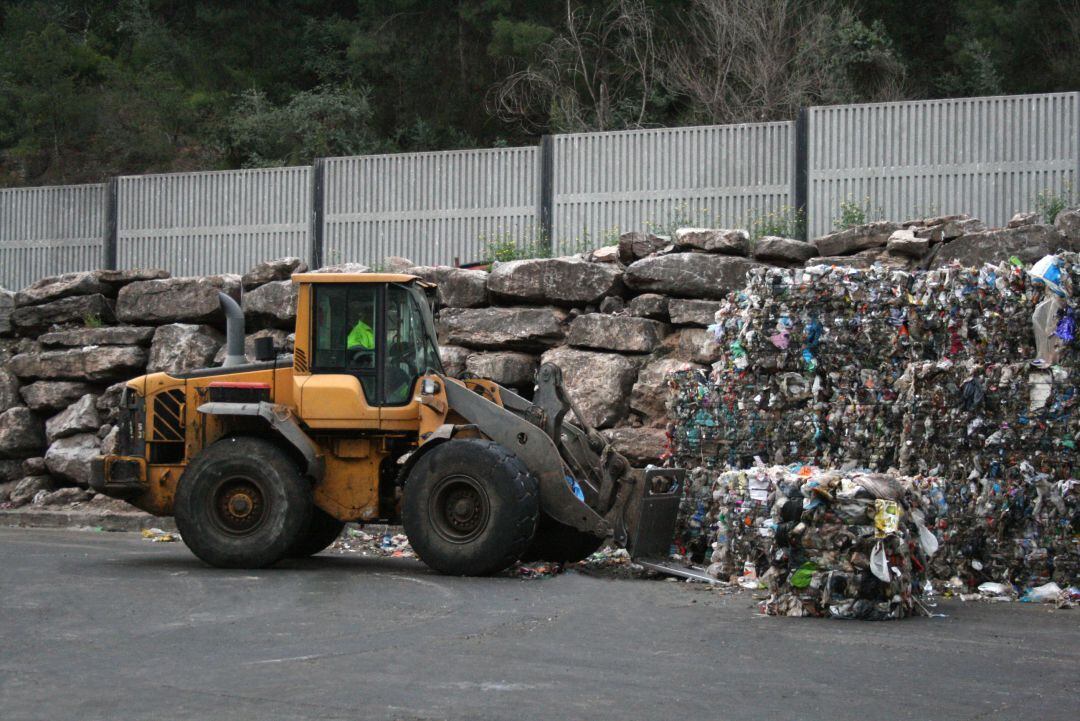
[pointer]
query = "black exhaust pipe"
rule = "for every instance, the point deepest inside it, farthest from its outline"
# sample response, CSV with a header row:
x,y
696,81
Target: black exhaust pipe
x,y
234,332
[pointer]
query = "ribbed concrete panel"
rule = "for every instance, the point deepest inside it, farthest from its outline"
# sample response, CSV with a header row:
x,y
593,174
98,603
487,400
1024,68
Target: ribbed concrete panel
x,y
215,222
51,230
986,156
433,208
609,183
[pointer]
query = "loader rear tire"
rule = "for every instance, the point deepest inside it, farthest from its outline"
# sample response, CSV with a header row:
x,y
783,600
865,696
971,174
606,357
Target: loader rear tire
x,y
470,507
321,532
242,503
560,543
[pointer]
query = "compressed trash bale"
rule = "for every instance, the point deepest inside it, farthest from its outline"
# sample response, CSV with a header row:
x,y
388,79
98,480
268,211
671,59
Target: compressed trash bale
x,y
926,372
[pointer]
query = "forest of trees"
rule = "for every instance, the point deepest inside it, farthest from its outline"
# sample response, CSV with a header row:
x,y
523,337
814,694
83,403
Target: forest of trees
x,y
95,88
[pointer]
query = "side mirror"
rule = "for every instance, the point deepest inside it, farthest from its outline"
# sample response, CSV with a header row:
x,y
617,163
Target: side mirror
x,y
264,349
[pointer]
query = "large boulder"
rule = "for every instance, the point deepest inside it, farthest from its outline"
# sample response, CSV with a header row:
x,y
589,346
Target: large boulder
x,y
105,335
273,304
119,278
180,347
861,260
905,242
563,281
695,345
729,242
454,359
77,309
176,300
70,457
271,270
774,249
7,305
508,368
1029,243
599,383
108,403
650,393
49,397
11,469
649,305
62,286
690,275
1067,223
635,246
80,417
91,363
29,487
462,288
641,446
22,434
945,227
626,334
501,328
343,268
9,390
457,287
851,240
684,311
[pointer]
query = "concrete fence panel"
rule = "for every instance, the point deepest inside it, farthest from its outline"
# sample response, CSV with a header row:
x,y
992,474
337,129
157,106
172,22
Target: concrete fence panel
x,y
213,222
46,231
719,175
438,207
988,156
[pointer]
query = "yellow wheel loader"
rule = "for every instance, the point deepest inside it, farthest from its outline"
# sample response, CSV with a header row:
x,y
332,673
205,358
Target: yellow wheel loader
x,y
264,460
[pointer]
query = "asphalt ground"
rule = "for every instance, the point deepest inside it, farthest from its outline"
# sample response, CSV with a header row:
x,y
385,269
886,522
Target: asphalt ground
x,y
111,626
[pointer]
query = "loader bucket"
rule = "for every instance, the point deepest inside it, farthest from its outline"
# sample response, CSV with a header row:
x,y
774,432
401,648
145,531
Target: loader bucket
x,y
653,512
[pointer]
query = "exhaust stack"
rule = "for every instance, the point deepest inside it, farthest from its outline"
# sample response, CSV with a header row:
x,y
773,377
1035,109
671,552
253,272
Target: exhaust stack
x,y
234,332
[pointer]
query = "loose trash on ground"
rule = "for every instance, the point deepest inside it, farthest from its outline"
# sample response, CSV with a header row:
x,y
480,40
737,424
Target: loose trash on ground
x,y
157,535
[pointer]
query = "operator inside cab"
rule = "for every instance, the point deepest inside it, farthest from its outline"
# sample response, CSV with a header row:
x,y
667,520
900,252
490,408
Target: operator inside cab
x,y
362,335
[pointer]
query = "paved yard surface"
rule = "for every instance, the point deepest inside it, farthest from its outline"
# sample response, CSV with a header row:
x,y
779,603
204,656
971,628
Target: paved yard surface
x,y
110,626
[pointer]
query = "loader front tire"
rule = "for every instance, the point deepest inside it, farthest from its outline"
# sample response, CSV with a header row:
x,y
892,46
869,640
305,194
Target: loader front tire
x,y
242,503
470,507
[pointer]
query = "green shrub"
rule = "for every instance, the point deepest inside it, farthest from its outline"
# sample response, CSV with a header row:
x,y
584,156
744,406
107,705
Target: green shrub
x,y
853,213
785,221
1049,203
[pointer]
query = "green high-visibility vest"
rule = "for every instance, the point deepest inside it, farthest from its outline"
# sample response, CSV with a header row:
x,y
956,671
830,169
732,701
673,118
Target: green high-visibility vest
x,y
362,336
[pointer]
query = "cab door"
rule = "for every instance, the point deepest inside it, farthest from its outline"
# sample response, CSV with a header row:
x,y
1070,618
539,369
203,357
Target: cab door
x,y
343,387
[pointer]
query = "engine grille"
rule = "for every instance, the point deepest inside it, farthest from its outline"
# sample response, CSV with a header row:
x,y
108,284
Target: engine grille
x,y
168,416
300,362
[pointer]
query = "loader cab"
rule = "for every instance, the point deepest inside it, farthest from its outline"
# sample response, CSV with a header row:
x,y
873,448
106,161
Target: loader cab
x,y
363,342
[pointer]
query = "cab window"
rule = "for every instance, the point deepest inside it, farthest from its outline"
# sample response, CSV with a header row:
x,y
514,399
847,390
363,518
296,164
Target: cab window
x,y
410,351
345,330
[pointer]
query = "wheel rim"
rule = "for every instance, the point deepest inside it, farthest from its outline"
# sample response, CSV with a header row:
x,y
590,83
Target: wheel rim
x,y
459,508
238,505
